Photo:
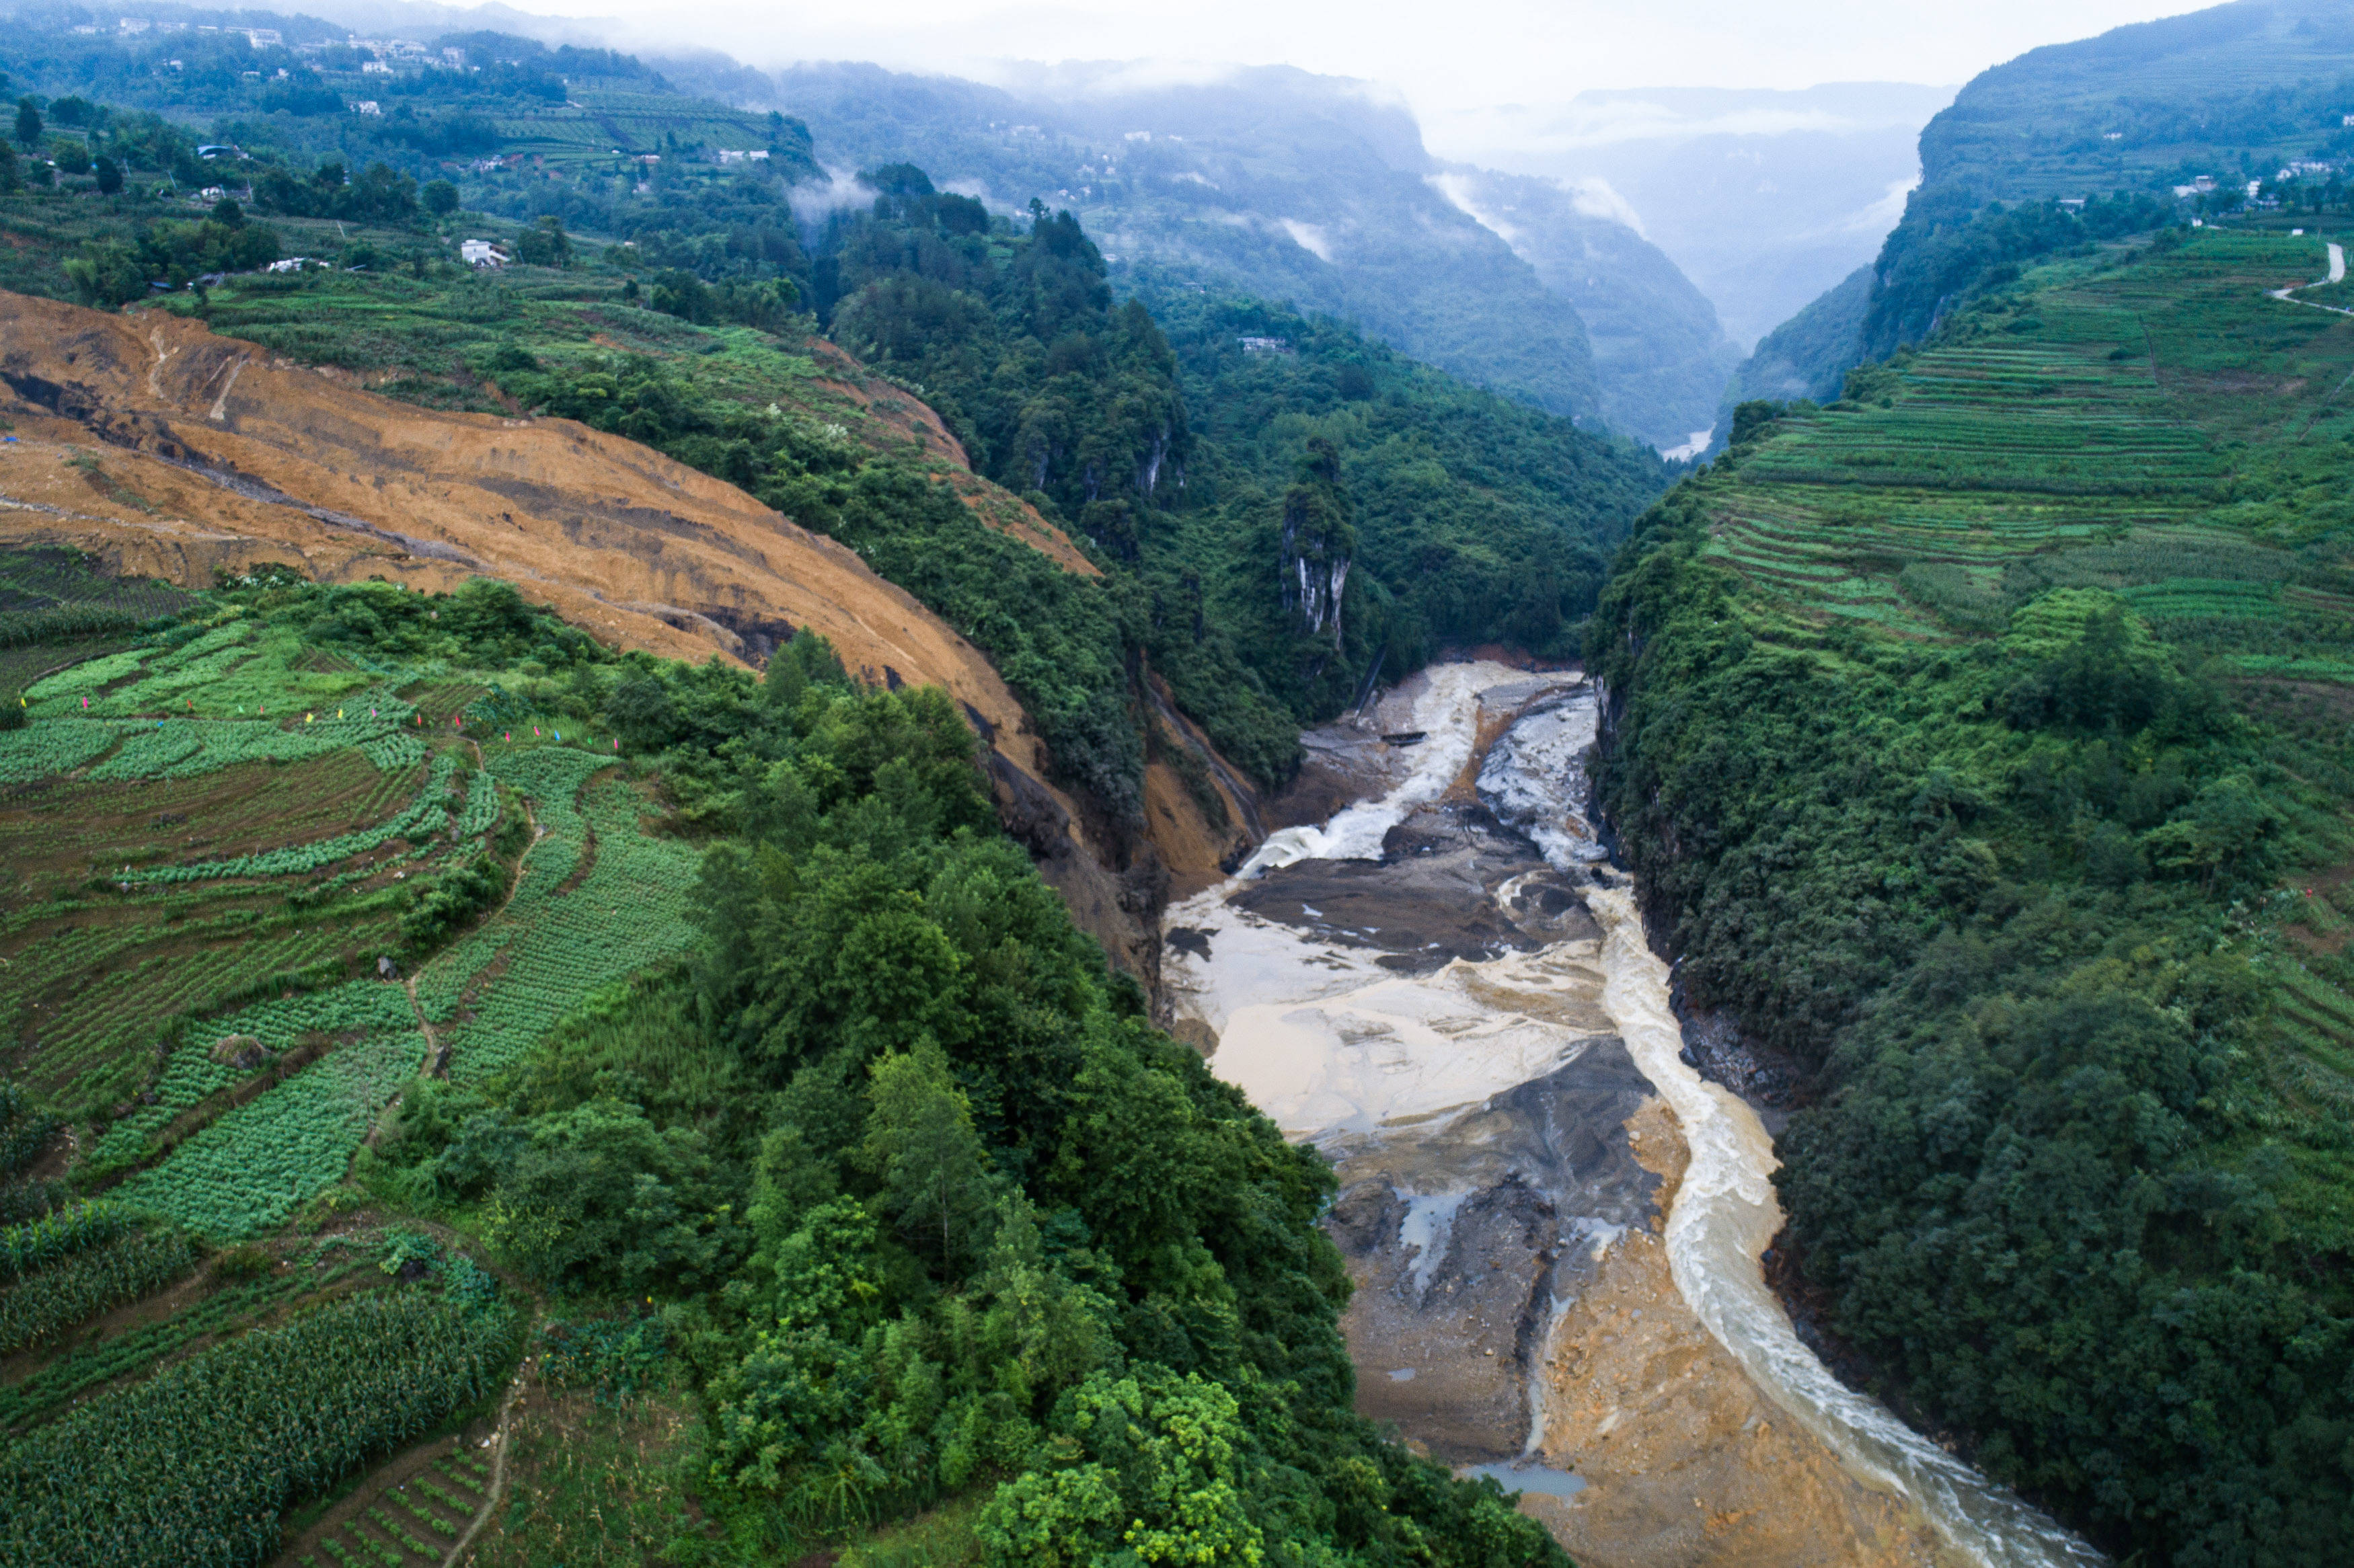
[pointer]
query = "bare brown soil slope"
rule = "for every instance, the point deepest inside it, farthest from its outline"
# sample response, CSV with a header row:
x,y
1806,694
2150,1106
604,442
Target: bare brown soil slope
x,y
166,451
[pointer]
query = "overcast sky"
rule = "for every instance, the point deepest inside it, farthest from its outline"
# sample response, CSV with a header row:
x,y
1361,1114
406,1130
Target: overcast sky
x,y
1452,58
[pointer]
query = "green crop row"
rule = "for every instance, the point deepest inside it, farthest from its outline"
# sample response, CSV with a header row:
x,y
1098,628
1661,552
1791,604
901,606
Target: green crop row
x,y
279,1023
137,1348
37,1243
481,811
45,1304
47,748
552,776
63,692
150,989
258,1163
425,817
629,913
193,1467
394,750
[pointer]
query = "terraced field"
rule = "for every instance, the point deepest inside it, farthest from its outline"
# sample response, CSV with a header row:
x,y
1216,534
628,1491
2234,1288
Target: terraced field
x,y
228,942
2146,422
598,122
2095,427
213,839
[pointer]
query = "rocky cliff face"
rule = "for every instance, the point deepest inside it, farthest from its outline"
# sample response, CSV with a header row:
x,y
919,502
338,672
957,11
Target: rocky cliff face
x,y
166,451
1318,544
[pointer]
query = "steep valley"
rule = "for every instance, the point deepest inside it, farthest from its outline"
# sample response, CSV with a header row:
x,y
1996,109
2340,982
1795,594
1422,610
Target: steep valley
x,y
711,858
1445,988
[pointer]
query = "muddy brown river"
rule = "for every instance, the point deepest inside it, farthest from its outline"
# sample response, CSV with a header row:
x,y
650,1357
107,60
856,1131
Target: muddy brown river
x,y
1554,1224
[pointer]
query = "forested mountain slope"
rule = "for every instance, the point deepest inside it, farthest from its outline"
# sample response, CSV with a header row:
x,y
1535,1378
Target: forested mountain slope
x,y
1763,196
1980,740
2143,123
515,1093
1273,574
1659,355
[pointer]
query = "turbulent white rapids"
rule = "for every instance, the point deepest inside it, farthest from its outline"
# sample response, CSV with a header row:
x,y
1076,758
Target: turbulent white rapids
x,y
1449,714
1327,1042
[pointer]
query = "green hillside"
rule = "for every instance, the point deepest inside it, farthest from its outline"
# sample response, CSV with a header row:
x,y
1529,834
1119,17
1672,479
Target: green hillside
x,y
1981,739
399,984
2234,92
2080,143
677,309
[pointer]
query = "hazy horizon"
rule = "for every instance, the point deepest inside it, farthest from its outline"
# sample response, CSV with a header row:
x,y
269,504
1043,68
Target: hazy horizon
x,y
1495,64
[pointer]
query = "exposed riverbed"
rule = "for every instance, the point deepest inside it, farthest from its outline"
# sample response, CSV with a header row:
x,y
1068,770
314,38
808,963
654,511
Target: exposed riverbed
x,y
1553,1223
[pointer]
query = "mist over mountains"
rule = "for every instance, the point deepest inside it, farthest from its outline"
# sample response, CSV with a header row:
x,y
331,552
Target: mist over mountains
x,y
1764,199
1573,281
1612,258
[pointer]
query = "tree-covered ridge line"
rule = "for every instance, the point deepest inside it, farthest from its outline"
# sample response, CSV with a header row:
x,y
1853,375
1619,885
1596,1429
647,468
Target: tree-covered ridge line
x,y
884,1177
1978,739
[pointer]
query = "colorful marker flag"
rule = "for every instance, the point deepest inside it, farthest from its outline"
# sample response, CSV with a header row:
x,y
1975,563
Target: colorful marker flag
x,y
534,729
308,717
339,713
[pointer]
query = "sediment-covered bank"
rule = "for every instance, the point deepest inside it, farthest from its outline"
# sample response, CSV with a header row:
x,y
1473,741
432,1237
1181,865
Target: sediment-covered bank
x,y
1553,1223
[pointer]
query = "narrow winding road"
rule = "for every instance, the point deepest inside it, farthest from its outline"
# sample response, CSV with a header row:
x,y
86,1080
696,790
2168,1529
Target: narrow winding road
x,y
2337,275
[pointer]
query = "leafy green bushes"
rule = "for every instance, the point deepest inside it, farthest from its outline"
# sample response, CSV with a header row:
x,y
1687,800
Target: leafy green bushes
x,y
193,1465
454,898
379,195
597,1194
111,273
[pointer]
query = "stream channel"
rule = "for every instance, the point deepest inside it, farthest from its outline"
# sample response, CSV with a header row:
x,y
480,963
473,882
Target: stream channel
x,y
1554,1224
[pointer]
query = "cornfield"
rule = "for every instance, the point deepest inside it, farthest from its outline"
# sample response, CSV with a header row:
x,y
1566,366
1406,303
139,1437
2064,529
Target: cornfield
x,y
25,1247
193,1467
44,1305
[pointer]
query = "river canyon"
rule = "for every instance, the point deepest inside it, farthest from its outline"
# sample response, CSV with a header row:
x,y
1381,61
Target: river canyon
x,y
1552,1221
